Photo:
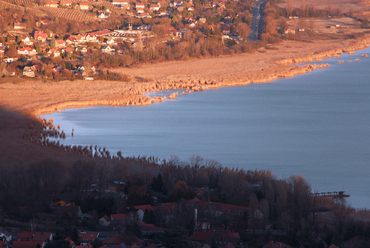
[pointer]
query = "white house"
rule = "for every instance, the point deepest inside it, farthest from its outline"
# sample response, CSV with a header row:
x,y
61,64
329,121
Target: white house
x,y
5,235
107,49
123,4
26,51
18,25
84,6
26,40
28,71
155,6
103,15
104,221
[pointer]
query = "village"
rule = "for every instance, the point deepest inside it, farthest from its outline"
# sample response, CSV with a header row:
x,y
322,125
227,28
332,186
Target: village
x,y
32,48
82,40
204,224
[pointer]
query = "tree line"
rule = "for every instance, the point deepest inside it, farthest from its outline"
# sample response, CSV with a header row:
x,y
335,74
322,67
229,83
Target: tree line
x,y
284,204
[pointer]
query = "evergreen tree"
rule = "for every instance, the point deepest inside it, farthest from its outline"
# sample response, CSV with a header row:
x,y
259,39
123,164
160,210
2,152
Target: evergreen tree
x,y
176,238
19,39
214,245
158,183
53,43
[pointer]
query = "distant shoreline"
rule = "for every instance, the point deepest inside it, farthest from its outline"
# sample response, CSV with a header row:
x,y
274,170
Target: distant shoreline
x,y
265,65
22,102
132,92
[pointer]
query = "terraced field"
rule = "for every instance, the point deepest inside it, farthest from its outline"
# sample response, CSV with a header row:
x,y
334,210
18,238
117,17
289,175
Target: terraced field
x,y
70,14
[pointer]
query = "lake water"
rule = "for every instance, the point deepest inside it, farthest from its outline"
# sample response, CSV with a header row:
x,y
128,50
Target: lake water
x,y
317,125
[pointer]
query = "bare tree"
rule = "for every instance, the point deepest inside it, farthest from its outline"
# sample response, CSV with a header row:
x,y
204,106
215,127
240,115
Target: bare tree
x,y
289,8
340,215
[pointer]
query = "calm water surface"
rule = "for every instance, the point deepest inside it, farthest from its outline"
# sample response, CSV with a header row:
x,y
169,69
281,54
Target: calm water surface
x,y
317,125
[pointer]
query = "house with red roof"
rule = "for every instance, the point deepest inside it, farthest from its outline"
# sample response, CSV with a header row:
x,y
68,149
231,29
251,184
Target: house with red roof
x,y
273,244
114,240
71,211
229,245
78,37
84,246
140,5
88,237
155,6
53,53
89,37
101,33
65,3
140,8
72,244
43,236
118,217
71,40
121,3
52,4
60,43
201,237
168,208
84,6
104,221
222,208
221,238
25,236
3,244
149,229
19,25
26,40
28,244
68,50
41,35
39,23
26,51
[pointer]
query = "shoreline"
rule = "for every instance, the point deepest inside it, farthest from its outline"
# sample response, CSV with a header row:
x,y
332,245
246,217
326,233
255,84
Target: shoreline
x,y
133,95
22,102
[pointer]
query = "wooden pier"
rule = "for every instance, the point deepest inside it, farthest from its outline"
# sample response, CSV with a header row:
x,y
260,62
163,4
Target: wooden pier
x,y
335,194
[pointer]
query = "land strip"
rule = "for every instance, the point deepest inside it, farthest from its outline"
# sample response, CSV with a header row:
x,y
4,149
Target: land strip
x,y
265,65
21,101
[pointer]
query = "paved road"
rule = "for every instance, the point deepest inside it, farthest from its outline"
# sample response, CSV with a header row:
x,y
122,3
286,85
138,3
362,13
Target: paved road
x,y
256,19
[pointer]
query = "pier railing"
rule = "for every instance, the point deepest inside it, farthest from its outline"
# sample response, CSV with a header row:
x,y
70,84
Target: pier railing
x,y
336,194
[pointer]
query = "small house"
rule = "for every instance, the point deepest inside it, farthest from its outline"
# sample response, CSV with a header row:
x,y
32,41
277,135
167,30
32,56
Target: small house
x,y
52,4
60,43
28,71
26,40
107,49
5,235
66,3
103,15
155,6
18,25
84,6
122,4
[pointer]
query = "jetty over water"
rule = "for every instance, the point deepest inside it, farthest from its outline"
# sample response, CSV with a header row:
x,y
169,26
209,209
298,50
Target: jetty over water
x,y
335,194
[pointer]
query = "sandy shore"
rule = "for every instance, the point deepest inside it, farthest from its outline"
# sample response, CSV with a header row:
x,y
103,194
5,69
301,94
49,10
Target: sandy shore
x,y
264,65
21,102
